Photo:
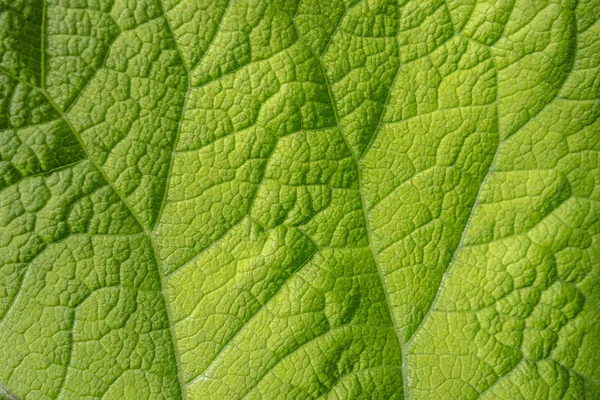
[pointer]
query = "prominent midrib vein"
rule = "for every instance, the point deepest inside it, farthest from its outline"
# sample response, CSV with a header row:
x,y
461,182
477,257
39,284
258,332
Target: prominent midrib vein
x,y
403,345
163,201
189,70
144,230
491,167
7,393
362,201
469,218
357,162
212,40
149,234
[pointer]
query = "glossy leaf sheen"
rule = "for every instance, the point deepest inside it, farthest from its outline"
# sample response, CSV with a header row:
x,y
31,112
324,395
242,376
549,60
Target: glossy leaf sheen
x,y
293,199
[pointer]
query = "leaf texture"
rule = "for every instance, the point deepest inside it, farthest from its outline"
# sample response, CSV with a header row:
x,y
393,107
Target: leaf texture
x,y
298,199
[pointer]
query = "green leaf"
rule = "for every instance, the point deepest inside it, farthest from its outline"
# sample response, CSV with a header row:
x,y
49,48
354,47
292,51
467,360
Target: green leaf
x,y
293,199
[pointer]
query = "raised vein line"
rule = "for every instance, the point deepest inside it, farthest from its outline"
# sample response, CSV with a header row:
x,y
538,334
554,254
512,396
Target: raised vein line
x,y
193,67
6,393
168,25
308,259
163,201
462,236
358,167
145,231
184,107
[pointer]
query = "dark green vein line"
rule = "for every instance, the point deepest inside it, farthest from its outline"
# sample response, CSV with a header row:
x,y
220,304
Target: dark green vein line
x,y
6,393
146,232
363,204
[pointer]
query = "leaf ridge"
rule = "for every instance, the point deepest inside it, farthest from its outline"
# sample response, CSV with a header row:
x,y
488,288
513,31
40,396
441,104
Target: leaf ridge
x,y
471,212
251,318
490,169
362,200
114,189
7,393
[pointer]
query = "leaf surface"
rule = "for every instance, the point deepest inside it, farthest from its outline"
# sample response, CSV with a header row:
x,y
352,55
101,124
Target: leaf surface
x,y
366,199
